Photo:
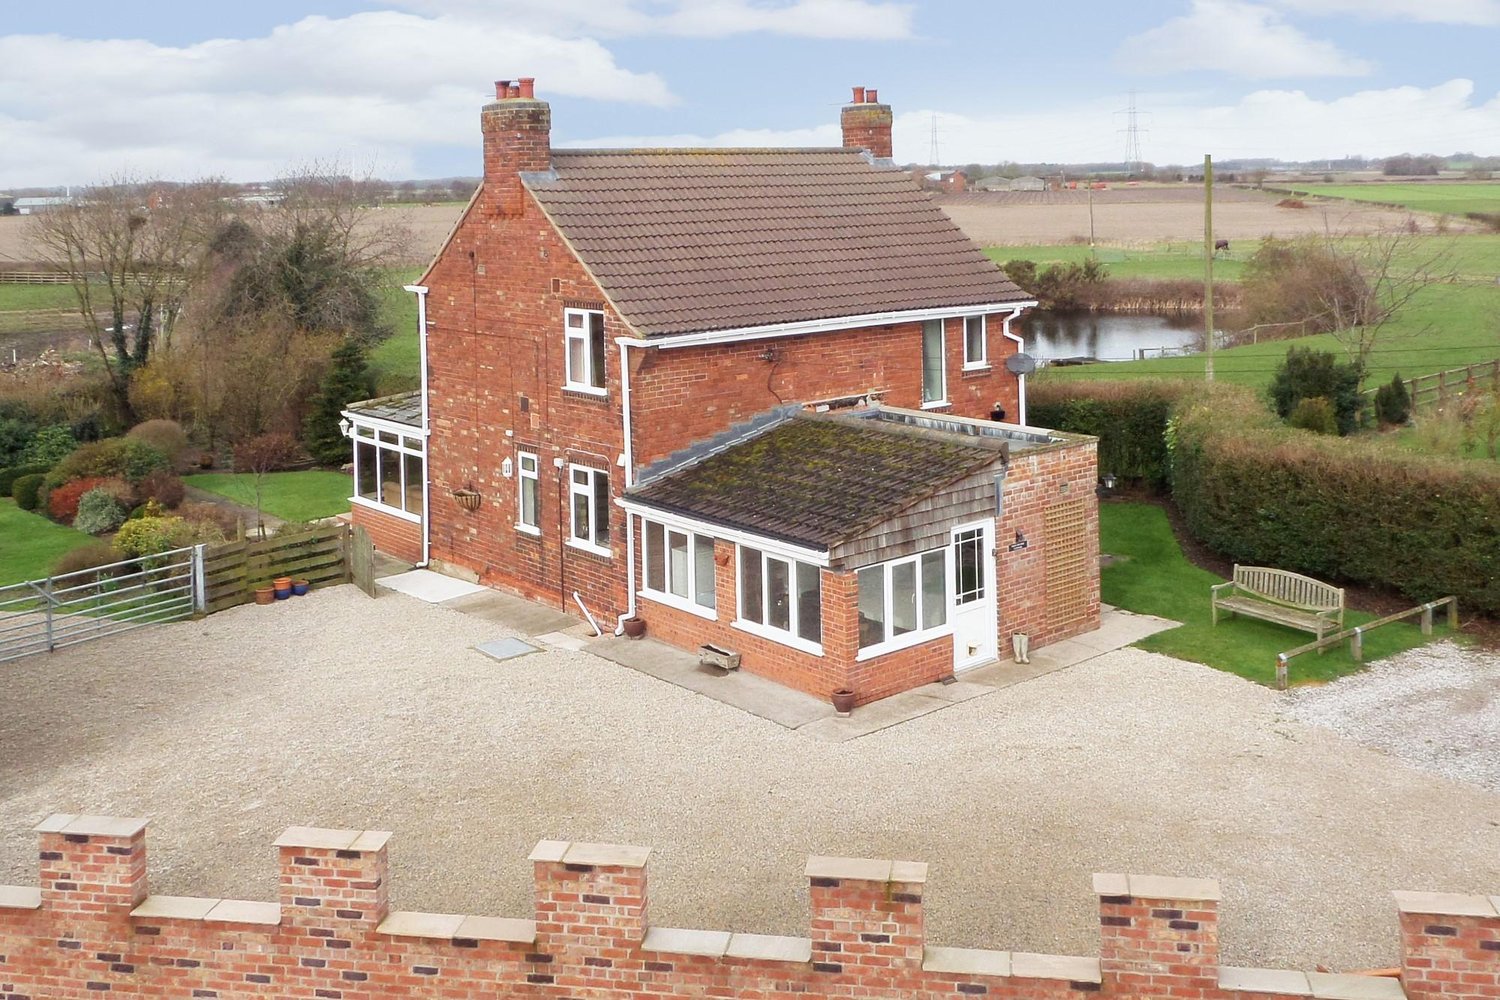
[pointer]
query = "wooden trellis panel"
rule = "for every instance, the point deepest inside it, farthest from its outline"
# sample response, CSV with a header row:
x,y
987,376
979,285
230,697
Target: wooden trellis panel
x,y
1067,563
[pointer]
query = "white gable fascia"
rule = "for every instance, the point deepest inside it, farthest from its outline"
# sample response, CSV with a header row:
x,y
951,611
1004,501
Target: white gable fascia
x,y
802,327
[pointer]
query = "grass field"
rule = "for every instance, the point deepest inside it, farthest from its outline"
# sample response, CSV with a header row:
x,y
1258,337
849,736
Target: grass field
x,y
1442,198
31,544
25,297
290,496
395,361
1155,578
1166,260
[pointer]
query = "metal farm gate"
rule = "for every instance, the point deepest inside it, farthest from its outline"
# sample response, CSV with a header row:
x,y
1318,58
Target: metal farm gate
x,y
39,616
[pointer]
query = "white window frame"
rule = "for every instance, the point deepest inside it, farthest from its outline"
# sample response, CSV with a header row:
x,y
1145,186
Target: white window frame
x,y
919,635
689,603
767,631
595,512
942,328
584,335
534,476
369,434
983,361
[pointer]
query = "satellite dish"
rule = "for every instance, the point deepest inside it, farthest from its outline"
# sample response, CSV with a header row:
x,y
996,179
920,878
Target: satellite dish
x,y
1020,364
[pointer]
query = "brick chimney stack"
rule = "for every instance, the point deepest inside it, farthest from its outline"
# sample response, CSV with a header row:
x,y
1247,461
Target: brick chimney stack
x,y
867,123
517,138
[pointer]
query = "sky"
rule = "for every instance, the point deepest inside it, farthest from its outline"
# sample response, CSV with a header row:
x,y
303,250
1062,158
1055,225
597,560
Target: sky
x,y
187,89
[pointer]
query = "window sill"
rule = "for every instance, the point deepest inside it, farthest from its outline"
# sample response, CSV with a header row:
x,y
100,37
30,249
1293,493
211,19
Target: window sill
x,y
976,368
941,404
528,530
906,641
357,501
591,549
777,636
680,604
585,390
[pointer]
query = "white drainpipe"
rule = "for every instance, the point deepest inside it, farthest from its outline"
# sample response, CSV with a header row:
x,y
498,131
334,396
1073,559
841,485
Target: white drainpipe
x,y
421,292
625,345
1020,379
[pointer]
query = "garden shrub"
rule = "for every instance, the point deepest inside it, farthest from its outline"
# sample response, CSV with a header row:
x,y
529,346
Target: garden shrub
x,y
85,557
127,458
165,487
99,511
147,536
1393,402
49,445
27,490
1337,509
1128,417
62,501
166,436
1314,413
222,519
1306,372
9,476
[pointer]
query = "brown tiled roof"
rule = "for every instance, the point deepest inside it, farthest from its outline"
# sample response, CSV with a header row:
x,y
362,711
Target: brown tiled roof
x,y
816,481
690,240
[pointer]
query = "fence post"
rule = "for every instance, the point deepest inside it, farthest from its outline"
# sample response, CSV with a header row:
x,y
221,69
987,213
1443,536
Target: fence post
x,y
1427,618
1357,645
200,582
1281,671
1453,603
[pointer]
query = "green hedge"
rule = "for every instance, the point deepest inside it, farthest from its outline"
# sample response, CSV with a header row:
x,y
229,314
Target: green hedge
x,y
1128,418
27,489
9,476
1357,511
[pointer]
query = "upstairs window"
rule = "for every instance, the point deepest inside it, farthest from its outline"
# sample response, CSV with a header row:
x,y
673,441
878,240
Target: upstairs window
x,y
585,354
934,375
976,349
588,495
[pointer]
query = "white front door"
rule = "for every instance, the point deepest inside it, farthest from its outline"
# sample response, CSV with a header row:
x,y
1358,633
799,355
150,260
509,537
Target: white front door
x,y
972,591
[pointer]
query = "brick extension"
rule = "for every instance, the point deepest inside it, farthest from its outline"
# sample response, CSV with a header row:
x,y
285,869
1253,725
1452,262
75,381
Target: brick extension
x,y
92,930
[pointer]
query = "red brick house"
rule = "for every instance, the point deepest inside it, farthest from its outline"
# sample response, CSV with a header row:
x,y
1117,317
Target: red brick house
x,y
755,397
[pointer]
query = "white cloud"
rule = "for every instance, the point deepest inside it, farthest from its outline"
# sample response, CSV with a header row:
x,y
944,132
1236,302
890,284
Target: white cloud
x,y
1477,12
1240,39
844,19
1266,123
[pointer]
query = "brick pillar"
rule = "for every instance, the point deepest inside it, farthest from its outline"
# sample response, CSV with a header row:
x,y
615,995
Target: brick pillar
x,y
1450,945
841,630
333,879
866,124
517,131
92,865
1152,929
866,913
590,898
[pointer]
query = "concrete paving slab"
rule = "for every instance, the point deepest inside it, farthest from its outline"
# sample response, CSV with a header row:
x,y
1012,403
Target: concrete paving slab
x,y
883,714
425,585
525,617
562,640
506,649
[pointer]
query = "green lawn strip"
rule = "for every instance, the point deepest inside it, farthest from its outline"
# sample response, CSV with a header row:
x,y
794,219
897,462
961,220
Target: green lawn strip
x,y
1177,259
1454,199
28,297
30,545
290,496
395,361
1155,578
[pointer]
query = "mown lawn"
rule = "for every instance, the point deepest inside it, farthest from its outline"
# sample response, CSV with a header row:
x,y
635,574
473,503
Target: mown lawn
x,y
290,496
1165,260
1449,198
395,361
25,297
30,544
1155,578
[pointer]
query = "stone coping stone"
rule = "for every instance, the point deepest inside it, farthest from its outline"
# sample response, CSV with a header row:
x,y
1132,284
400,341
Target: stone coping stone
x,y
512,929
245,911
607,855
677,941
1448,904
867,869
966,961
319,839
91,826
410,923
1287,982
1073,969
769,948
1167,887
20,897
175,907
1334,986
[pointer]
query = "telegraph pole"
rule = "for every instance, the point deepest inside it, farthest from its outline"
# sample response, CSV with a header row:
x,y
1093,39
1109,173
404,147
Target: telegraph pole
x,y
1208,266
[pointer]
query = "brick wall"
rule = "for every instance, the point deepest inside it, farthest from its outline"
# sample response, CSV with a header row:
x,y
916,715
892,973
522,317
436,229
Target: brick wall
x,y
92,930
396,535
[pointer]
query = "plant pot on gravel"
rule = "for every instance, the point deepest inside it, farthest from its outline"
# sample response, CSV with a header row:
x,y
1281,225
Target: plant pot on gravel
x,y
283,587
843,702
300,588
265,595
634,627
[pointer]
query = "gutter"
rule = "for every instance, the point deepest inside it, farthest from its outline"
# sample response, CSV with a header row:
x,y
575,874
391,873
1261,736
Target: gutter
x,y
832,323
421,293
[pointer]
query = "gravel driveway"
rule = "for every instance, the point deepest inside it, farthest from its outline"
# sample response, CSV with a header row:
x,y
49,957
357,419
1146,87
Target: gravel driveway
x,y
332,711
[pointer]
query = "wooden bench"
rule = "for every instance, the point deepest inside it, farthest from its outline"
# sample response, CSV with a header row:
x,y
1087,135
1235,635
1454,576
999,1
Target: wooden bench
x,y
1276,595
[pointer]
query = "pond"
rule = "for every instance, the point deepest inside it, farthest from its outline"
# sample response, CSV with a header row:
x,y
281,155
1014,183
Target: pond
x,y
1112,336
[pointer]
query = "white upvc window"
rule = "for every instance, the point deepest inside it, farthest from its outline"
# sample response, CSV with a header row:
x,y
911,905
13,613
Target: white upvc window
x,y
976,343
588,501
528,493
679,568
584,331
780,599
388,471
902,602
934,364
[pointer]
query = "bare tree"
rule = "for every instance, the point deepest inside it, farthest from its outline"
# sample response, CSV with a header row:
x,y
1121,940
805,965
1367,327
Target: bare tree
x,y
1394,268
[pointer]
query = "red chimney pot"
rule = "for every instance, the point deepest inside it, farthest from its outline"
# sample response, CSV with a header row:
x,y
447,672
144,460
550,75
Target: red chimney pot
x,y
870,96
501,87
859,96
528,86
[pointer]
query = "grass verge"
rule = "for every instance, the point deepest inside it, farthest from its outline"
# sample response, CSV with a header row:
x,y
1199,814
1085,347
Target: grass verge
x,y
30,545
290,496
26,297
1153,577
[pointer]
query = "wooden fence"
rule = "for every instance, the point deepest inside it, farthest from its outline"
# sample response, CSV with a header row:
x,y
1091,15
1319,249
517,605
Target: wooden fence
x,y
321,554
1439,387
1356,635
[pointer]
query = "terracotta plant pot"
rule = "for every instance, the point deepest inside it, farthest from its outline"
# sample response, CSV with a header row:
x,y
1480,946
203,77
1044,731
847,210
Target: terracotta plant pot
x,y
634,628
843,701
283,587
300,588
265,595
